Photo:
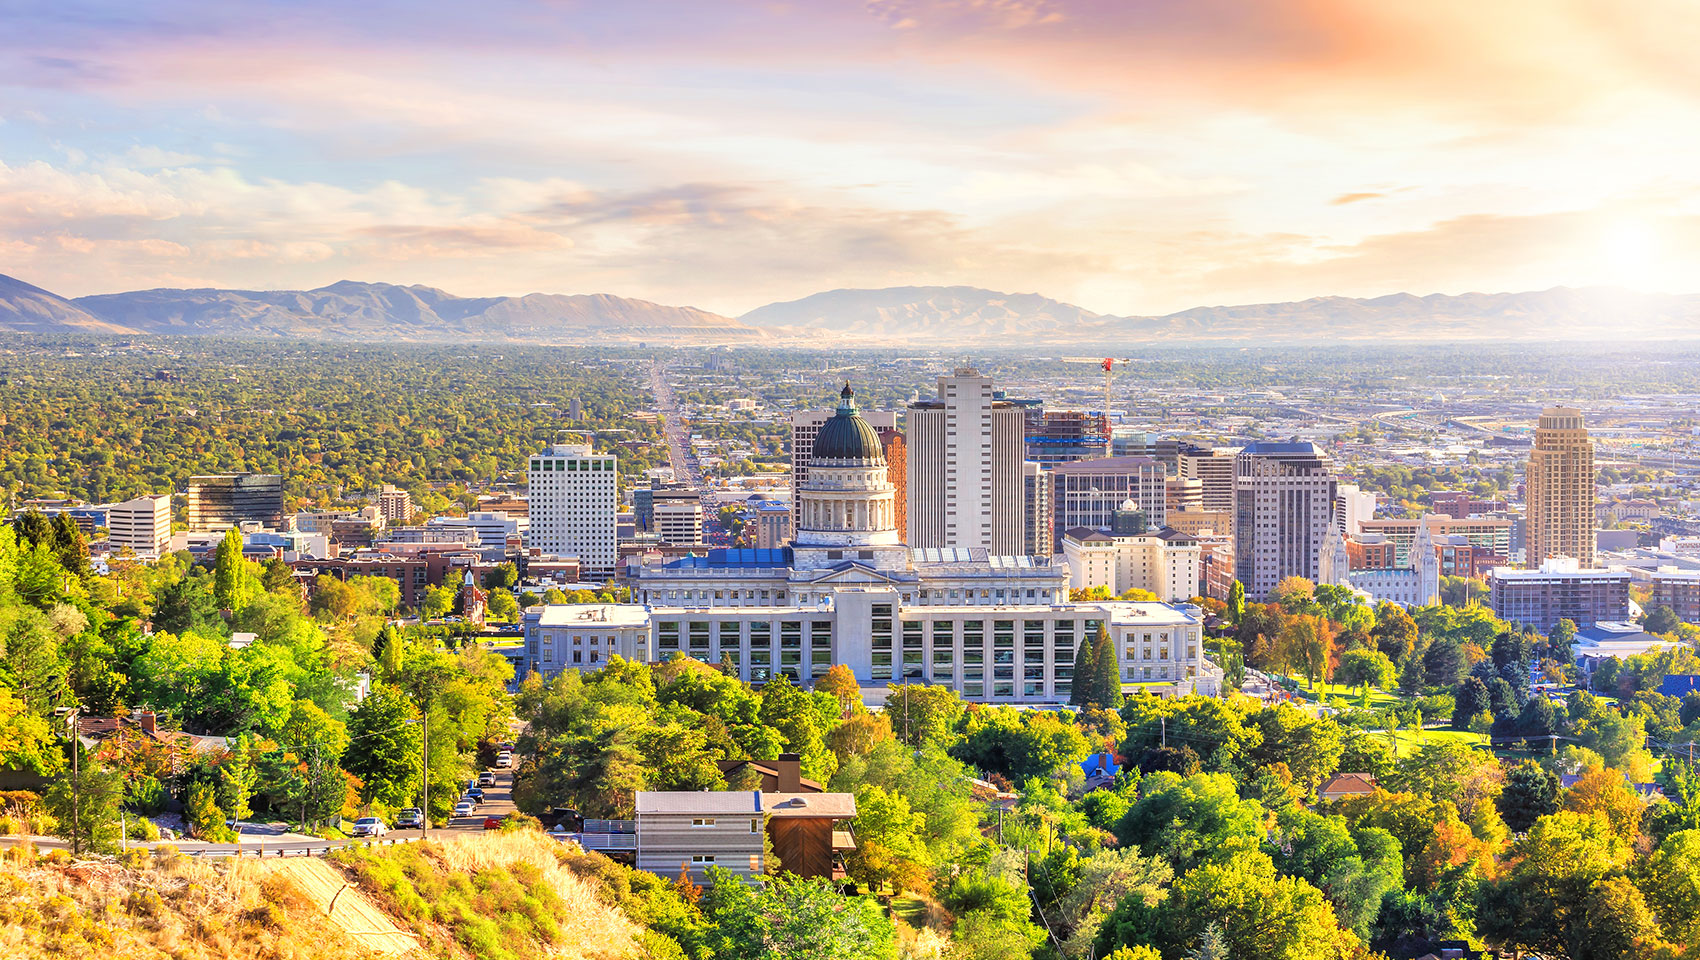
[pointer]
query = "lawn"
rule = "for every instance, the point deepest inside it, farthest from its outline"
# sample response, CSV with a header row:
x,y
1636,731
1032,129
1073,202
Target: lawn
x,y
1328,691
1407,741
909,908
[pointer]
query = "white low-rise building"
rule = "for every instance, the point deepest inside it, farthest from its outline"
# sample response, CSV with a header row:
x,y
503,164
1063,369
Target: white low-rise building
x,y
1165,562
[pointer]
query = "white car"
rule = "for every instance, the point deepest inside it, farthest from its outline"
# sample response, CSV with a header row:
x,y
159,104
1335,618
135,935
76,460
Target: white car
x,y
505,760
463,808
369,827
487,778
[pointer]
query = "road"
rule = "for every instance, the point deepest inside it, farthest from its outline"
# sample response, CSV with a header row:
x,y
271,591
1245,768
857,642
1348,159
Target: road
x,y
263,842
679,454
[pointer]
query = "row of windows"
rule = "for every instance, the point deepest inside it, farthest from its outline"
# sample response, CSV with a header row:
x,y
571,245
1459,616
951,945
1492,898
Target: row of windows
x,y
605,465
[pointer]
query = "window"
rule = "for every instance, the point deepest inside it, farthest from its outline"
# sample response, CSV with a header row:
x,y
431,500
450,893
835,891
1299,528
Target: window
x,y
702,821
755,824
702,858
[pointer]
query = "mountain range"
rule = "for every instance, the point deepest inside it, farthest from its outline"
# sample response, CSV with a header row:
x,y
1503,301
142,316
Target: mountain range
x,y
350,310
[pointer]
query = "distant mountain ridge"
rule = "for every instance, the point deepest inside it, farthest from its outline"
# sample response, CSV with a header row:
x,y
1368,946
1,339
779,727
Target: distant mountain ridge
x,y
364,311
930,315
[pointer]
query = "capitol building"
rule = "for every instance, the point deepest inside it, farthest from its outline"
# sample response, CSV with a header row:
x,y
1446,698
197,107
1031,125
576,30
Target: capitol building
x,y
847,590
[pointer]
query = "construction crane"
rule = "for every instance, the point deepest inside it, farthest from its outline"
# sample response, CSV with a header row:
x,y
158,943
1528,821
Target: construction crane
x,y
1108,365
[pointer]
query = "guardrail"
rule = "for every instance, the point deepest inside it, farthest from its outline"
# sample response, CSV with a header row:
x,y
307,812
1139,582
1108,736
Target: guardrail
x,y
604,841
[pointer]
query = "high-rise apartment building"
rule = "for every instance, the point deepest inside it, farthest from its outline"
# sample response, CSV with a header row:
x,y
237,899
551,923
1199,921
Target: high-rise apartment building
x,y
143,525
1038,522
805,425
221,501
395,505
965,450
897,472
1087,493
574,498
1560,489
1284,509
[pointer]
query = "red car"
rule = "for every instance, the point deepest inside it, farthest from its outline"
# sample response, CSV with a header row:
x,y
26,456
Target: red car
x,y
492,823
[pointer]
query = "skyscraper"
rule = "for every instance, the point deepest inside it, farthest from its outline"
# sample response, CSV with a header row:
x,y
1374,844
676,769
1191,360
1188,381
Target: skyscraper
x,y
805,424
574,497
1283,509
965,450
1038,534
1560,489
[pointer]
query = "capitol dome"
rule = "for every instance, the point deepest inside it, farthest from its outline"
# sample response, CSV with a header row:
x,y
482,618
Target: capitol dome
x,y
846,436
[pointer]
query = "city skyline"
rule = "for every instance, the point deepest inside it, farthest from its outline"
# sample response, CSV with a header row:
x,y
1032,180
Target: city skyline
x,y
1132,158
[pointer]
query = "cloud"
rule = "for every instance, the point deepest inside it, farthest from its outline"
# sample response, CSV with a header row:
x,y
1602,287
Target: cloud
x,y
1346,198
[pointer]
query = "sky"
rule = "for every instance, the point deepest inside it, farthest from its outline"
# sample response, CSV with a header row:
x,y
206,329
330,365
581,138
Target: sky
x,y
1135,157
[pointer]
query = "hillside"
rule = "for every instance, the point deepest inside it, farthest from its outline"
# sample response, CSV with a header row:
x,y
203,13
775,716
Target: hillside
x,y
364,311
349,310
29,309
491,896
906,313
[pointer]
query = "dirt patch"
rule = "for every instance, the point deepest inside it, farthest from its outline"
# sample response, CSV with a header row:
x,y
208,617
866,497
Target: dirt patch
x,y
346,906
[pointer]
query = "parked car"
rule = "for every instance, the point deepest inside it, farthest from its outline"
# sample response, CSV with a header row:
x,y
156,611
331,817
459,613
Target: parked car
x,y
463,808
487,778
368,827
410,819
492,823
475,794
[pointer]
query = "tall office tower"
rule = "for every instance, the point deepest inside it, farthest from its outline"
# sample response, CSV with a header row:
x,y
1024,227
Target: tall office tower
x,y
965,451
805,425
574,498
1038,523
1064,436
897,469
1560,489
395,505
1088,492
1214,468
1284,510
1184,495
142,524
222,501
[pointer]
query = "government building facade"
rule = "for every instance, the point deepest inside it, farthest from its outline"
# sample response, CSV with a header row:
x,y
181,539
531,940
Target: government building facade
x,y
848,591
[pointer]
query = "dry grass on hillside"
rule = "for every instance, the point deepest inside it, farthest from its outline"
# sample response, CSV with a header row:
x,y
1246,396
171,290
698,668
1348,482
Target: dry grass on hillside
x,y
163,906
497,895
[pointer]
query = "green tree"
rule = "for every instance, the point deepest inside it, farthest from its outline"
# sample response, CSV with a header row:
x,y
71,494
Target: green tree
x,y
69,546
923,715
1366,669
83,802
791,918
1309,746
1106,672
1191,819
1672,885
502,576
1531,792
234,583
1083,691
385,750
1236,602
201,812
1661,620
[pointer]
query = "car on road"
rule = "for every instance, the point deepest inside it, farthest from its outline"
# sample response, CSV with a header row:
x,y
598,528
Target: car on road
x,y
463,808
492,823
368,827
410,819
475,794
487,778
504,759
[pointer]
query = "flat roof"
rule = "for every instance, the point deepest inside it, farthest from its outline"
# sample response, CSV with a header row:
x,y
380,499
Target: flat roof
x,y
840,806
597,615
699,801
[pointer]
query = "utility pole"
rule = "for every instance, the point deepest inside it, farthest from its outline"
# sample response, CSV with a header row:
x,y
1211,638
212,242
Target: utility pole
x,y
424,773
1165,728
